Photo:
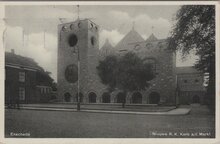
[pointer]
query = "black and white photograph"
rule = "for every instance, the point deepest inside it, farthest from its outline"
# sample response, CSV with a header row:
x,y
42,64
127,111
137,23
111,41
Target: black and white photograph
x,y
115,70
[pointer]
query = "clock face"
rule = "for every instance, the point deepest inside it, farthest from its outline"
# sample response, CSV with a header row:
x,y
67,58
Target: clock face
x,y
149,45
72,40
72,26
79,25
64,28
71,73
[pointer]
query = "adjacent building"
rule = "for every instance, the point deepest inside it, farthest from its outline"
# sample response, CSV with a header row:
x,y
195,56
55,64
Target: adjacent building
x,y
190,85
25,80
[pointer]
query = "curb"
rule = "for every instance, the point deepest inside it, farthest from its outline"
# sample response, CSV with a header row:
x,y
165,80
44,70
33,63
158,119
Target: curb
x,y
105,111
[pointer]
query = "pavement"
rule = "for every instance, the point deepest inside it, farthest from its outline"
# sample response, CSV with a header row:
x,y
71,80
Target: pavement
x,y
116,109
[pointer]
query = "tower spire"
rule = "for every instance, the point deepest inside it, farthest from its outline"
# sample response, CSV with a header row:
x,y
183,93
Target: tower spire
x,y
78,11
152,29
133,25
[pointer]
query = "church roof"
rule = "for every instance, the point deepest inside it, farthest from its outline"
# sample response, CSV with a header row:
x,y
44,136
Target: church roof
x,y
151,38
131,37
107,45
17,60
186,70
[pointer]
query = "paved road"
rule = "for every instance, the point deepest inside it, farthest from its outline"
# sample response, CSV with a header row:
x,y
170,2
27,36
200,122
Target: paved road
x,y
54,124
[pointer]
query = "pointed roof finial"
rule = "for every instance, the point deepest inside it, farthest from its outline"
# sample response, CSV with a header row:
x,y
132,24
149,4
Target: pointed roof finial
x,y
133,25
106,40
78,11
152,29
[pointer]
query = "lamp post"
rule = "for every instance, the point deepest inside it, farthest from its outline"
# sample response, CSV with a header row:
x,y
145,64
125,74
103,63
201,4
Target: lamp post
x,y
124,98
78,64
76,50
177,90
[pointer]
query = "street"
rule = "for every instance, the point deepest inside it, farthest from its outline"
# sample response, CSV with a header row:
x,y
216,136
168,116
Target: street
x,y
58,124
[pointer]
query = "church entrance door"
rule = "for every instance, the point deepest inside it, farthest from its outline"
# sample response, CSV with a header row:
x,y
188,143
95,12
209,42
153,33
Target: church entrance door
x,y
92,97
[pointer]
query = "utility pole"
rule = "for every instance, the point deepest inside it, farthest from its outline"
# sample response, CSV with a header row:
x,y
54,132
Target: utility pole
x,y
78,82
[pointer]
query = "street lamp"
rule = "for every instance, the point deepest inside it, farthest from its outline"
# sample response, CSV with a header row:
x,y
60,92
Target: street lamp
x,y
76,50
177,91
124,98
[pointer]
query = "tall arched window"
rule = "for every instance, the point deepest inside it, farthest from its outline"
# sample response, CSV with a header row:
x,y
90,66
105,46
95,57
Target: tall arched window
x,y
92,97
136,97
106,98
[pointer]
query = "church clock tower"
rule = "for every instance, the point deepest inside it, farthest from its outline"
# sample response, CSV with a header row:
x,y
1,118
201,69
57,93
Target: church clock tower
x,y
78,48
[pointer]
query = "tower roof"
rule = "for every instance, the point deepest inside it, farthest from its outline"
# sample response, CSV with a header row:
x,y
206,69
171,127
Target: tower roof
x,y
151,38
107,45
131,37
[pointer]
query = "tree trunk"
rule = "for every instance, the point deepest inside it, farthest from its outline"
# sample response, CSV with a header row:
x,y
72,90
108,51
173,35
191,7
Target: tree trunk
x,y
124,99
211,86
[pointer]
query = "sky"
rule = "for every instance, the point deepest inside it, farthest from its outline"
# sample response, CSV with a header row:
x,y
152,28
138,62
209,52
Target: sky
x,y
32,30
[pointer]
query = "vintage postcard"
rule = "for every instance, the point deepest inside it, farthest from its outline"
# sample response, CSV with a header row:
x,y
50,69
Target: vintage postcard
x,y
116,72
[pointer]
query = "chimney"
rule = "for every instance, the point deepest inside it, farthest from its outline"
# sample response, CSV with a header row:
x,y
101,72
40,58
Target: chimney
x,y
12,51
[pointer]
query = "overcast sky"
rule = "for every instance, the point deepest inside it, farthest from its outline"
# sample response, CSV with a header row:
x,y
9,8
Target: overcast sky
x,y
114,21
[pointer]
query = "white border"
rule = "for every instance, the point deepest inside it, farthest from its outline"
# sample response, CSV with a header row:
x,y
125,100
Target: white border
x,y
111,140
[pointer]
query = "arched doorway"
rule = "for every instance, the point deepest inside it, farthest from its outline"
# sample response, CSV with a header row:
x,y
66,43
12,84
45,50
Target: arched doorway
x,y
154,98
80,97
106,98
121,97
136,97
196,99
67,97
92,97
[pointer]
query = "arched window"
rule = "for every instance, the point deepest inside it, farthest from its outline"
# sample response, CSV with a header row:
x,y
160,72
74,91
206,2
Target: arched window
x,y
149,45
137,47
121,97
106,98
92,97
136,97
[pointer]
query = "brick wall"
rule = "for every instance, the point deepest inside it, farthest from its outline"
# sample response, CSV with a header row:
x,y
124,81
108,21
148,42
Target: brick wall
x,y
12,85
164,83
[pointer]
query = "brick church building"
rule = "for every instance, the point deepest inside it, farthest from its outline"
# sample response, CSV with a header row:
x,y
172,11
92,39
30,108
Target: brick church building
x,y
79,52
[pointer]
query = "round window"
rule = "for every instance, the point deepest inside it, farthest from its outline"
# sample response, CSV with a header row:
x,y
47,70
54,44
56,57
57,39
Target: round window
x,y
79,25
96,28
72,40
137,47
93,40
71,73
91,25
64,28
72,26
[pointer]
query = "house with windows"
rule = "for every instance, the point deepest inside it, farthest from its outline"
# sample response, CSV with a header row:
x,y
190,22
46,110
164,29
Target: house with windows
x,y
25,80
190,85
